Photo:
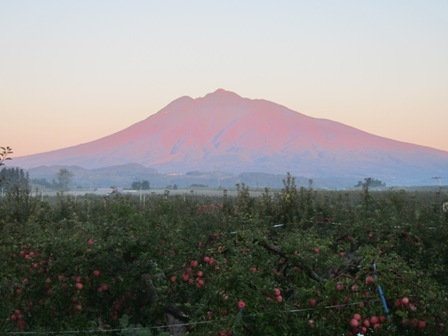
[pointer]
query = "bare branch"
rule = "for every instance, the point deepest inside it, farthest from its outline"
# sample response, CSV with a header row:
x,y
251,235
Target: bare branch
x,y
308,270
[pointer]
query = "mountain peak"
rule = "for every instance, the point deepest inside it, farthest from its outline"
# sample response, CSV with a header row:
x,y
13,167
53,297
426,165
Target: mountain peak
x,y
222,93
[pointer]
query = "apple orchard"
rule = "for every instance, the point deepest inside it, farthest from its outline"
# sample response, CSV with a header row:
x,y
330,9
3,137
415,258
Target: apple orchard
x,y
294,261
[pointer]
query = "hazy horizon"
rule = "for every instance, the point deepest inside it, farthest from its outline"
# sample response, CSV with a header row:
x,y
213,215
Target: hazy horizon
x,y
74,72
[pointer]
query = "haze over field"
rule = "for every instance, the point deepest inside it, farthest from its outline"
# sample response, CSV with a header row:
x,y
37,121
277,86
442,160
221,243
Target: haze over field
x,y
76,71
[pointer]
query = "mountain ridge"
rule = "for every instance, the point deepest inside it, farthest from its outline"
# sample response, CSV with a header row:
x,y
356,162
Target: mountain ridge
x,y
223,131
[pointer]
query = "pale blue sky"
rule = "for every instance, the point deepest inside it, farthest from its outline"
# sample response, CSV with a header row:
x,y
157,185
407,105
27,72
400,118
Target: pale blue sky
x,y
75,71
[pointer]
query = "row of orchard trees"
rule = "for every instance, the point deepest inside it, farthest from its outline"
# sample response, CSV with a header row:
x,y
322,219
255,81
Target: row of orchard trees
x,y
294,262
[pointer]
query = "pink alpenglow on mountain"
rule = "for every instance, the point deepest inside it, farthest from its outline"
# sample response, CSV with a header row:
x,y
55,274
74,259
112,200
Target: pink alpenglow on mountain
x,y
225,132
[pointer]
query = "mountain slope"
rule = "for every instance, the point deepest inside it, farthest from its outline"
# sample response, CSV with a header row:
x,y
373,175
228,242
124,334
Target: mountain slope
x,y
225,132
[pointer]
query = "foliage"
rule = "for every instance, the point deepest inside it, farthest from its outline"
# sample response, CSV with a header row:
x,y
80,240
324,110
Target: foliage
x,y
13,178
63,179
4,154
291,262
44,183
140,185
370,182
16,205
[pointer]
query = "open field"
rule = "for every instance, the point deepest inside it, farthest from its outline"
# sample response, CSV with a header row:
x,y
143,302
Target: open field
x,y
217,192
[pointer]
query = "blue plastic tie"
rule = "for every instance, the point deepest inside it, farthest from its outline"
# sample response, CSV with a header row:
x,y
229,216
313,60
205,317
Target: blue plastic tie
x,y
380,291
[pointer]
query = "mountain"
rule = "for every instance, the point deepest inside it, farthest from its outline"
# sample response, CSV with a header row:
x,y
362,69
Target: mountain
x,y
225,132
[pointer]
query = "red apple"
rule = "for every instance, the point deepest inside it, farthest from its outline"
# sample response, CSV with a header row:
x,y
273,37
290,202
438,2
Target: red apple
x,y
369,279
354,323
312,302
241,304
79,286
405,301
421,324
96,273
357,316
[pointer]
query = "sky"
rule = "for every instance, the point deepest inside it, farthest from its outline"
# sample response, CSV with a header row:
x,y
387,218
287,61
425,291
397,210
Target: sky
x,y
75,71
